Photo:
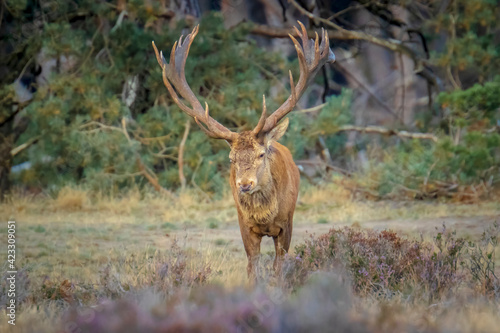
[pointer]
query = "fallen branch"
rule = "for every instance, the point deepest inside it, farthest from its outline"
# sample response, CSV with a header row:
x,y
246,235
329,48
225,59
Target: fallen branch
x,y
389,132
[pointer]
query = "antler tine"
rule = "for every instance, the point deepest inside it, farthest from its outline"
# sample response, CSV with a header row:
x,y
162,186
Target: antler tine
x,y
208,131
163,64
304,38
175,80
325,42
300,55
172,56
292,87
159,56
310,60
174,95
317,54
262,119
189,39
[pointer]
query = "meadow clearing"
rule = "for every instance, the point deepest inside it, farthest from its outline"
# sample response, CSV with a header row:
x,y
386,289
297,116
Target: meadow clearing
x,y
133,227
150,263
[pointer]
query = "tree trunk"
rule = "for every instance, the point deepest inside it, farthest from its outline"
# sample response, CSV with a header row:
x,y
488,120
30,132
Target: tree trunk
x,y
10,130
6,145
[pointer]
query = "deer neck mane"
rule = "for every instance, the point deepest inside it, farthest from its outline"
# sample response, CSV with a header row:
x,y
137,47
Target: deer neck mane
x,y
260,206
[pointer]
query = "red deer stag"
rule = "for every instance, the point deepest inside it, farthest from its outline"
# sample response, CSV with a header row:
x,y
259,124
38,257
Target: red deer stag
x,y
264,178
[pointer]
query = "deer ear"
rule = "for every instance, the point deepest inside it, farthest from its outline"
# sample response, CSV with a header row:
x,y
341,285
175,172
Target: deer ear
x,y
276,133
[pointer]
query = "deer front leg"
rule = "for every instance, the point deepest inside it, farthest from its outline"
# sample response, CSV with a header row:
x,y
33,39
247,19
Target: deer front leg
x,y
251,241
281,245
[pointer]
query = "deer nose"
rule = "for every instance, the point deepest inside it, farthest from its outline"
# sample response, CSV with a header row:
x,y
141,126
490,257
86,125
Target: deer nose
x,y
246,187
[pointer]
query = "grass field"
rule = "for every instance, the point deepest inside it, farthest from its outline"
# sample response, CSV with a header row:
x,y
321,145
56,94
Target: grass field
x,y
149,257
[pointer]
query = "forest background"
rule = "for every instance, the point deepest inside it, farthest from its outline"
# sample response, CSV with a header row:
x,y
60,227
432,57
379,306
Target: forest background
x,y
410,109
124,221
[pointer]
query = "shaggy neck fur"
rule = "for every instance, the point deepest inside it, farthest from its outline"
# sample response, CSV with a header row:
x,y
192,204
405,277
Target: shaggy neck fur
x,y
260,206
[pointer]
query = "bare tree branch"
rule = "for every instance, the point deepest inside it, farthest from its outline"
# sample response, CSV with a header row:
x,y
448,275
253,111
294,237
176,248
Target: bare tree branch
x,y
336,33
23,146
143,169
180,162
151,177
389,132
339,33
368,90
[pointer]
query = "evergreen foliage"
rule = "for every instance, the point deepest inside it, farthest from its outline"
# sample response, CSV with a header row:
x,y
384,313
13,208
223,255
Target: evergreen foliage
x,y
80,114
467,154
103,118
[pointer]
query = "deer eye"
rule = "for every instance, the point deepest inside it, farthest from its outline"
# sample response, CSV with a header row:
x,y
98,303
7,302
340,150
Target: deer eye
x,y
261,155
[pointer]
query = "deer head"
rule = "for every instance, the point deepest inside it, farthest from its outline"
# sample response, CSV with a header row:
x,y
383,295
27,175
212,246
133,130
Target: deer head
x,y
251,151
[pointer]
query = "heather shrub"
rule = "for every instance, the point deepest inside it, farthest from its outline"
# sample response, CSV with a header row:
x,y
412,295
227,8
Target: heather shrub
x,y
160,271
23,284
323,302
383,263
480,262
352,279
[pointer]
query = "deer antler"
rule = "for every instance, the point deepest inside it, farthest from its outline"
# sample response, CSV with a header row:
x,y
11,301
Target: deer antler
x,y
262,119
312,55
174,77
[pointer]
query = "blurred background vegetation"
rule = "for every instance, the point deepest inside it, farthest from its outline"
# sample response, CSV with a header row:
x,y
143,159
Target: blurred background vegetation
x,y
411,108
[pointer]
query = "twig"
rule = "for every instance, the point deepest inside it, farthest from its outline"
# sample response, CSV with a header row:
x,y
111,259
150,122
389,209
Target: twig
x,y
368,90
23,146
147,141
326,165
24,68
181,154
313,109
118,23
345,10
171,157
106,46
125,132
340,33
403,87
200,161
9,118
324,150
101,125
429,173
451,51
143,169
152,180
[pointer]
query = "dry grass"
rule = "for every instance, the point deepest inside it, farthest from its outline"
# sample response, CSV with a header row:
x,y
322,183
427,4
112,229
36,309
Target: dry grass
x,y
71,199
334,204
76,235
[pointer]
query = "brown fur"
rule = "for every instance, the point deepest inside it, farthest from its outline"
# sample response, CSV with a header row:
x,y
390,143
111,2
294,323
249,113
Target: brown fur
x,y
264,179
267,211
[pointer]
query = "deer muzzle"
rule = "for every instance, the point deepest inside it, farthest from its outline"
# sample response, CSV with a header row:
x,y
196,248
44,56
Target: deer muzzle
x,y
246,186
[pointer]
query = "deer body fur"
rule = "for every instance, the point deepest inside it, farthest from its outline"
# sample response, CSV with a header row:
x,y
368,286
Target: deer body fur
x,y
264,178
269,211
